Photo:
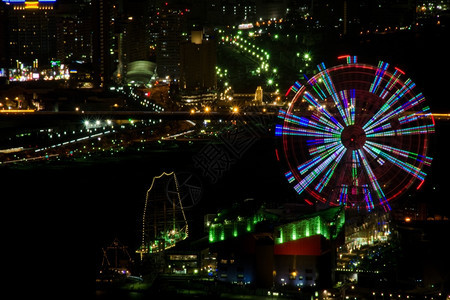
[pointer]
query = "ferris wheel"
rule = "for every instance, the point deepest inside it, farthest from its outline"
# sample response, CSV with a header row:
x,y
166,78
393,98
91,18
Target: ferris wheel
x,y
355,135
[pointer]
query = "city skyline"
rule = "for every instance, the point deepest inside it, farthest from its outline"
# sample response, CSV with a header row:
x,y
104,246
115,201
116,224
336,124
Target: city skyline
x,y
267,148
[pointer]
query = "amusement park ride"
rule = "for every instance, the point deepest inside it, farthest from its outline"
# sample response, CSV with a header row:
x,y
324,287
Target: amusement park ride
x,y
364,141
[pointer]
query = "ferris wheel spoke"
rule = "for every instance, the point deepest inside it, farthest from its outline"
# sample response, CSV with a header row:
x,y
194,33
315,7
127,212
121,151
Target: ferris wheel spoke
x,y
374,181
343,194
368,197
403,153
326,79
326,122
407,167
407,87
419,98
356,165
308,179
424,113
345,108
316,87
308,123
337,97
416,130
303,168
378,129
349,107
342,109
391,83
329,173
311,100
381,70
291,130
313,149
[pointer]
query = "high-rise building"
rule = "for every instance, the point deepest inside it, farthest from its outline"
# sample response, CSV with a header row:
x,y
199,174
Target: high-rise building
x,y
74,31
31,31
198,62
137,44
107,28
172,23
237,11
3,41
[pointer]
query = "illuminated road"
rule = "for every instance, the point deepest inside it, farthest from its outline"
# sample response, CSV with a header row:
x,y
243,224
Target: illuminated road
x,y
113,131
89,138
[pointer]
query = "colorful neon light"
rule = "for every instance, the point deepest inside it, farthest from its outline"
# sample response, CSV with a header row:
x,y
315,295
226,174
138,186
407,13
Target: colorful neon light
x,y
352,143
382,67
343,196
352,59
31,5
343,56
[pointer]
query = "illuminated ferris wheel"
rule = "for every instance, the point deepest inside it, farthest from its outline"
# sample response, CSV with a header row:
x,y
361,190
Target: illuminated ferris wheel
x,y
355,135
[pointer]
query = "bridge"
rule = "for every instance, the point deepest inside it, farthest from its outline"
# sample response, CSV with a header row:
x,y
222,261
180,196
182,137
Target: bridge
x,y
39,116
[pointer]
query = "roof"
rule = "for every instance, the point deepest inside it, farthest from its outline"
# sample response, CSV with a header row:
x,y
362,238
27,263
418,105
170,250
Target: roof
x,y
328,223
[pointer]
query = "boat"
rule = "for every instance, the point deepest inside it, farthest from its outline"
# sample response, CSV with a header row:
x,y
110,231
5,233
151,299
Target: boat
x,y
116,264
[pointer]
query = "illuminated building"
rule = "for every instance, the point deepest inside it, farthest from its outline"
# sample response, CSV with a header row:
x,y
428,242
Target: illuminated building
x,y
197,98
190,257
172,20
197,70
236,11
136,43
31,31
74,31
105,40
259,246
258,95
140,72
3,43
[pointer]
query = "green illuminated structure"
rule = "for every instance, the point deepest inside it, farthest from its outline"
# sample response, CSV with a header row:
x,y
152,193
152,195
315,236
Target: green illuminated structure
x,y
327,223
235,222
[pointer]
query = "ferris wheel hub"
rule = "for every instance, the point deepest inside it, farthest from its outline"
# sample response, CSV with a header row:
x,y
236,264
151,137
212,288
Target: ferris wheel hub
x,y
353,137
